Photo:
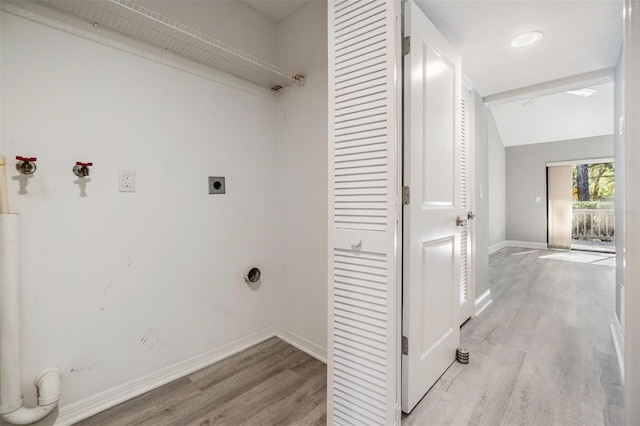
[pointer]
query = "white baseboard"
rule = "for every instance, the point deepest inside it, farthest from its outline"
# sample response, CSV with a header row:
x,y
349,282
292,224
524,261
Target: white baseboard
x,y
87,407
483,302
526,244
618,343
316,351
512,243
495,247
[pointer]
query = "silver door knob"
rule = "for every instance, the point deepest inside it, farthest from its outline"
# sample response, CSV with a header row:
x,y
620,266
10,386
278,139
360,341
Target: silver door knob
x,y
460,221
471,215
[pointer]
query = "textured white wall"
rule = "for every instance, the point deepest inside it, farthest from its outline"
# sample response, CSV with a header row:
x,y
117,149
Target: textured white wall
x,y
482,191
117,285
302,166
497,184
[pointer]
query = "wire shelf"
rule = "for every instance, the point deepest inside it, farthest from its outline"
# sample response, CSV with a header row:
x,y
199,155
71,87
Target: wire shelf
x,y
143,24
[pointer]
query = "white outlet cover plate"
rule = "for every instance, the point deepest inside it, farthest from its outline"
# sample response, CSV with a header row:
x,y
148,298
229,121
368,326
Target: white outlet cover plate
x,y
126,180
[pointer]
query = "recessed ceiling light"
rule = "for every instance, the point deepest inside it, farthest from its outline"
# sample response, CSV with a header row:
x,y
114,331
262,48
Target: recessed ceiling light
x,y
526,39
583,93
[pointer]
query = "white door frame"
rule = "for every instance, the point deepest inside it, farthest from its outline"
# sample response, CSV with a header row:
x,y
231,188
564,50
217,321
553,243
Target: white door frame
x,y
631,54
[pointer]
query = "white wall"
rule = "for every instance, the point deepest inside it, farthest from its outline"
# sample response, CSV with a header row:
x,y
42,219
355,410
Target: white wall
x,y
527,178
482,174
302,167
232,22
497,185
117,285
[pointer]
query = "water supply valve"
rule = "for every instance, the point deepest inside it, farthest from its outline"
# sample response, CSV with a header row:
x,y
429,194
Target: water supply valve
x,y
26,165
81,169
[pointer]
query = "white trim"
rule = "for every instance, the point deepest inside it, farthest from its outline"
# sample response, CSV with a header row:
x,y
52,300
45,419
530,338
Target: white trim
x,y
526,244
631,54
305,345
580,161
499,246
483,301
618,343
59,21
87,407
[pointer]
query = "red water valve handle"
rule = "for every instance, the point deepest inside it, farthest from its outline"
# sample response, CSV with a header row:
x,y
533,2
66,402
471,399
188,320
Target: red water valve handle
x,y
80,163
26,159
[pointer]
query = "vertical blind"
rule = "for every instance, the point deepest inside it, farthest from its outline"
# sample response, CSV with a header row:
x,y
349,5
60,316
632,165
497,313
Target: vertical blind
x,y
559,183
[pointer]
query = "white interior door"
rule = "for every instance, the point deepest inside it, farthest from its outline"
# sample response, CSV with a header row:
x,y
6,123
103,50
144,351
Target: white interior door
x,y
431,238
467,233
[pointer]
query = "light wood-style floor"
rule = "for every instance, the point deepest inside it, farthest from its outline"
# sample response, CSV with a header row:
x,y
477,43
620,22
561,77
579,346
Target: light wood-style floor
x,y
541,354
268,384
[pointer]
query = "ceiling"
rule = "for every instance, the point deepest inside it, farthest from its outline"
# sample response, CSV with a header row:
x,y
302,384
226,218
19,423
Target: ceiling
x,y
579,36
557,117
277,10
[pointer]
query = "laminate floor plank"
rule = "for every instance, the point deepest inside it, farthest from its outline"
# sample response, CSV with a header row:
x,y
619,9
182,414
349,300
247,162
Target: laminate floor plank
x,y
540,354
232,391
292,408
148,405
237,363
219,394
251,402
316,417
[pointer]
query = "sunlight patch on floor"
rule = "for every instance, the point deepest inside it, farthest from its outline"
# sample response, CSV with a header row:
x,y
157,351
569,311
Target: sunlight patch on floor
x,y
603,259
524,252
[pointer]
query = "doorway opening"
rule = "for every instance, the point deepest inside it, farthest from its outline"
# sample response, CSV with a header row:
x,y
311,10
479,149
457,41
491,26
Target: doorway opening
x,y
593,207
581,205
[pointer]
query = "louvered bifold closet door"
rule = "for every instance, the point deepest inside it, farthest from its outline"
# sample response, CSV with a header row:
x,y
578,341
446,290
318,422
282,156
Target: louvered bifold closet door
x,y
363,348
466,232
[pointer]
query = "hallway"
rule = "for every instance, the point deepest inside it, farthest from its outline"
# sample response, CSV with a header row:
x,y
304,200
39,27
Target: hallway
x,y
541,354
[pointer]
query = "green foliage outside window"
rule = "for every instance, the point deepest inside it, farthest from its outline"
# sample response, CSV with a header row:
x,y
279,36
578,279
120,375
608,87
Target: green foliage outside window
x,y
593,183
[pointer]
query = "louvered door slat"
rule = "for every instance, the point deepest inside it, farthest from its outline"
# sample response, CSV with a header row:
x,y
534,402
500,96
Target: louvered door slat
x,y
466,234
363,146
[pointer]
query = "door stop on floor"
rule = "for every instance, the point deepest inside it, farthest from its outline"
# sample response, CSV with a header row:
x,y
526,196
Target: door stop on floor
x,y
462,355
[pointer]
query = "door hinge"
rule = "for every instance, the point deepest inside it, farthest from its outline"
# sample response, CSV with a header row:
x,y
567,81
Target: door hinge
x,y
405,346
406,45
406,195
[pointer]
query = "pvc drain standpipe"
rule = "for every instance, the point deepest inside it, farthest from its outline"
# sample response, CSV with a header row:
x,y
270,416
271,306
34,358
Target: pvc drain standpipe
x,y
12,408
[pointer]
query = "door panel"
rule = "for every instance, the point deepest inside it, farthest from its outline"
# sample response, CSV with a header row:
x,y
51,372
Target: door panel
x,y
431,238
437,98
437,268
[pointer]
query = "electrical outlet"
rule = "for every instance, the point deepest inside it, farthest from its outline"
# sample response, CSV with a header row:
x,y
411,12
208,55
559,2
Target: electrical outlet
x,y
127,181
216,185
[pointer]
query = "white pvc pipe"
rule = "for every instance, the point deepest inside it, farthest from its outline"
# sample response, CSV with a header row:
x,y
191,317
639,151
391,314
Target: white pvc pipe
x,y
47,382
10,357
